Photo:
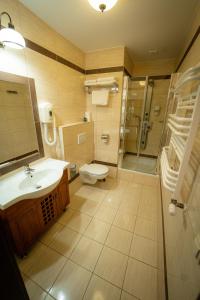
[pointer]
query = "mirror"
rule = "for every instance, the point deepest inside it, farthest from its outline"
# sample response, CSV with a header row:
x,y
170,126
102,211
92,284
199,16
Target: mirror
x,y
20,132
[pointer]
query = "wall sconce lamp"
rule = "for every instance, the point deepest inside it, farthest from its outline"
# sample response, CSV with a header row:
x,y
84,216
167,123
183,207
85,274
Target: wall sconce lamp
x,y
9,36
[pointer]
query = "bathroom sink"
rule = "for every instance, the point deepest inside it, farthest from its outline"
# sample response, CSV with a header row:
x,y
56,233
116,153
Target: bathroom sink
x,y
39,179
17,185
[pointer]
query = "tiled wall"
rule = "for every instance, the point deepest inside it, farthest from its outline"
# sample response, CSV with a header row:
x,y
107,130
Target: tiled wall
x,y
55,82
71,150
106,121
128,62
112,57
154,67
192,57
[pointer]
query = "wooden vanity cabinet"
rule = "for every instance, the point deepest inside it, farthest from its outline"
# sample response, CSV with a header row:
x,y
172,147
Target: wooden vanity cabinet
x,y
29,218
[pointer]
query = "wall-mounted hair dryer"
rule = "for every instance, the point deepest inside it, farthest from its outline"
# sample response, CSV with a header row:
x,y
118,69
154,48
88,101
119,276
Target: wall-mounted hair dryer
x,y
47,117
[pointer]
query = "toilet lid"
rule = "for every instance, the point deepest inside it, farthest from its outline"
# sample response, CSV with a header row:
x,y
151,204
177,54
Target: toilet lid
x,y
95,169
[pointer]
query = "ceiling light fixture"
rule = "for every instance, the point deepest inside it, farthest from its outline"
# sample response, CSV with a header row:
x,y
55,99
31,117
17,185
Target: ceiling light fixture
x,y
9,36
102,5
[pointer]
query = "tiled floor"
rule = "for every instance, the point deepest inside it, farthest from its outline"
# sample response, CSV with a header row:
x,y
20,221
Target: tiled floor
x,y
104,247
139,164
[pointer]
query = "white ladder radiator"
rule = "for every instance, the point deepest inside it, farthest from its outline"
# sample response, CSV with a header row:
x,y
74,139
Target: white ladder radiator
x,y
183,125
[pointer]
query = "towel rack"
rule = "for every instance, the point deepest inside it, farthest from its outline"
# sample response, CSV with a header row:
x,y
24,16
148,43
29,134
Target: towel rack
x,y
98,83
183,125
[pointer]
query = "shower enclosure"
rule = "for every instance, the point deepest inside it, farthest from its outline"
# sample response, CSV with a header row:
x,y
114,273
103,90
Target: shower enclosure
x,y
142,118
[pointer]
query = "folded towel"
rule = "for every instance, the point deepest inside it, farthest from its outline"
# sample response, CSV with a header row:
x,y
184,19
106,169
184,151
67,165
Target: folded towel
x,y
100,97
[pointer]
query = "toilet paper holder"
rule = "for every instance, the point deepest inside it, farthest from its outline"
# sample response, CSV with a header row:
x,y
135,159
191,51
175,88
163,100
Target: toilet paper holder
x,y
105,138
172,206
177,204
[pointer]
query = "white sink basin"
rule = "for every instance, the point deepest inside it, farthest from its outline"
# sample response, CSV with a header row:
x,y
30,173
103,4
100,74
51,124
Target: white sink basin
x,y
45,177
39,179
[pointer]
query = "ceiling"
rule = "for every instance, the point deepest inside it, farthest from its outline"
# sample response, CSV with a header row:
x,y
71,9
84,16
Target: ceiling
x,y
140,25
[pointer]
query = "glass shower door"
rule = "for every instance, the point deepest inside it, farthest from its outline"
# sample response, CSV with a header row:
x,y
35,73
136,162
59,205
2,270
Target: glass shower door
x,y
144,117
133,122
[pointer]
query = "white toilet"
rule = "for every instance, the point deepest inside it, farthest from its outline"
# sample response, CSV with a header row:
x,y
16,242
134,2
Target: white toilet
x,y
90,173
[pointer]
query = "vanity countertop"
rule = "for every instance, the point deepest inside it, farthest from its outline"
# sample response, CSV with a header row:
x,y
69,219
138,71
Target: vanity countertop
x,y
17,185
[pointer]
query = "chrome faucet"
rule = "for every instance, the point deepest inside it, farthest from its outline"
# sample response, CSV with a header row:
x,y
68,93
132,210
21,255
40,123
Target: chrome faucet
x,y
28,170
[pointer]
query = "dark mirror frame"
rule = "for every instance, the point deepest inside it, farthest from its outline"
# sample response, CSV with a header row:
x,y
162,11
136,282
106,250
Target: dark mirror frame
x,y
26,158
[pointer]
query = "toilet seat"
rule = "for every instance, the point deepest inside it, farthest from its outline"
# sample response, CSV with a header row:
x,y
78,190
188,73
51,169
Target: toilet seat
x,y
94,169
90,173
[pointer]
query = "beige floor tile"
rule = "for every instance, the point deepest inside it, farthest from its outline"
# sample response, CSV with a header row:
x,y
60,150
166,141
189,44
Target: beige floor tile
x,y
141,280
120,185
65,241
145,179
130,204
48,236
147,210
149,203
124,175
146,228
76,202
119,239
106,213
86,253
107,185
113,199
79,222
65,217
45,268
133,185
97,230
126,296
125,220
144,250
100,289
89,207
34,291
92,193
112,266
129,207
150,193
26,262
132,193
71,282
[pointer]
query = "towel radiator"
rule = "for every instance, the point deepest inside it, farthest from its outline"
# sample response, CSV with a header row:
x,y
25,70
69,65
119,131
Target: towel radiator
x,y
183,125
